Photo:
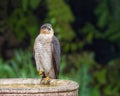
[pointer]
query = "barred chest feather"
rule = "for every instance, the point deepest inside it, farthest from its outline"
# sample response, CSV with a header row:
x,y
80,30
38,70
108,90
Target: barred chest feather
x,y
43,43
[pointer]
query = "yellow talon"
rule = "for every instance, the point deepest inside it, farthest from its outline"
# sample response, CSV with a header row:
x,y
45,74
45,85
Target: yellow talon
x,y
40,73
47,79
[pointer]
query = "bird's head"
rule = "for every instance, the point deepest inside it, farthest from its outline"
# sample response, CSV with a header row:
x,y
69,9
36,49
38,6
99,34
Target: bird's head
x,y
46,29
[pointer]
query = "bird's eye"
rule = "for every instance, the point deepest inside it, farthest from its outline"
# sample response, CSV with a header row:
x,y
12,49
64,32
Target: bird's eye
x,y
49,29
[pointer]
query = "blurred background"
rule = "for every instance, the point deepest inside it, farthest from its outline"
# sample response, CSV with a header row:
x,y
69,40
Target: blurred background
x,y
89,34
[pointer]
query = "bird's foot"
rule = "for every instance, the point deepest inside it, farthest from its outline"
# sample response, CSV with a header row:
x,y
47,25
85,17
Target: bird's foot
x,y
40,73
45,81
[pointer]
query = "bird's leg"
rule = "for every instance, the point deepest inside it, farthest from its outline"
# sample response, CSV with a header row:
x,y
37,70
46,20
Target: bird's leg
x,y
45,79
40,73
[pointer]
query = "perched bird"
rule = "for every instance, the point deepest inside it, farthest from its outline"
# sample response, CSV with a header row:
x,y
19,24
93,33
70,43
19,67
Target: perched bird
x,y
47,53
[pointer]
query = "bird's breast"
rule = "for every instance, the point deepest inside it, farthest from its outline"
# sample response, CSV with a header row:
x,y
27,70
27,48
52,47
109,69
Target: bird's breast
x,y
43,43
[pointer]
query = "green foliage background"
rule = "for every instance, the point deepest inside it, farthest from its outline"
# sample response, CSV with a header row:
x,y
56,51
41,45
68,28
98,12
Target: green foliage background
x,y
20,23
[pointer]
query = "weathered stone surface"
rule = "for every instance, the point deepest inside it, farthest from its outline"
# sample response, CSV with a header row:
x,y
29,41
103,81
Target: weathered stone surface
x,y
32,87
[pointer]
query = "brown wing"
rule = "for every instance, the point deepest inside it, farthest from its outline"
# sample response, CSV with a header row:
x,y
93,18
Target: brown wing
x,y
56,55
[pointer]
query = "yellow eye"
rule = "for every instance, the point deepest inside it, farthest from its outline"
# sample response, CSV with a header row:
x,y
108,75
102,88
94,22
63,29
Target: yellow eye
x,y
49,29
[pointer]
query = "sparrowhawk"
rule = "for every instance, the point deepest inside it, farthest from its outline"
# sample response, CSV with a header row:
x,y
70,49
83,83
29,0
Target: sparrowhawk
x,y
47,53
